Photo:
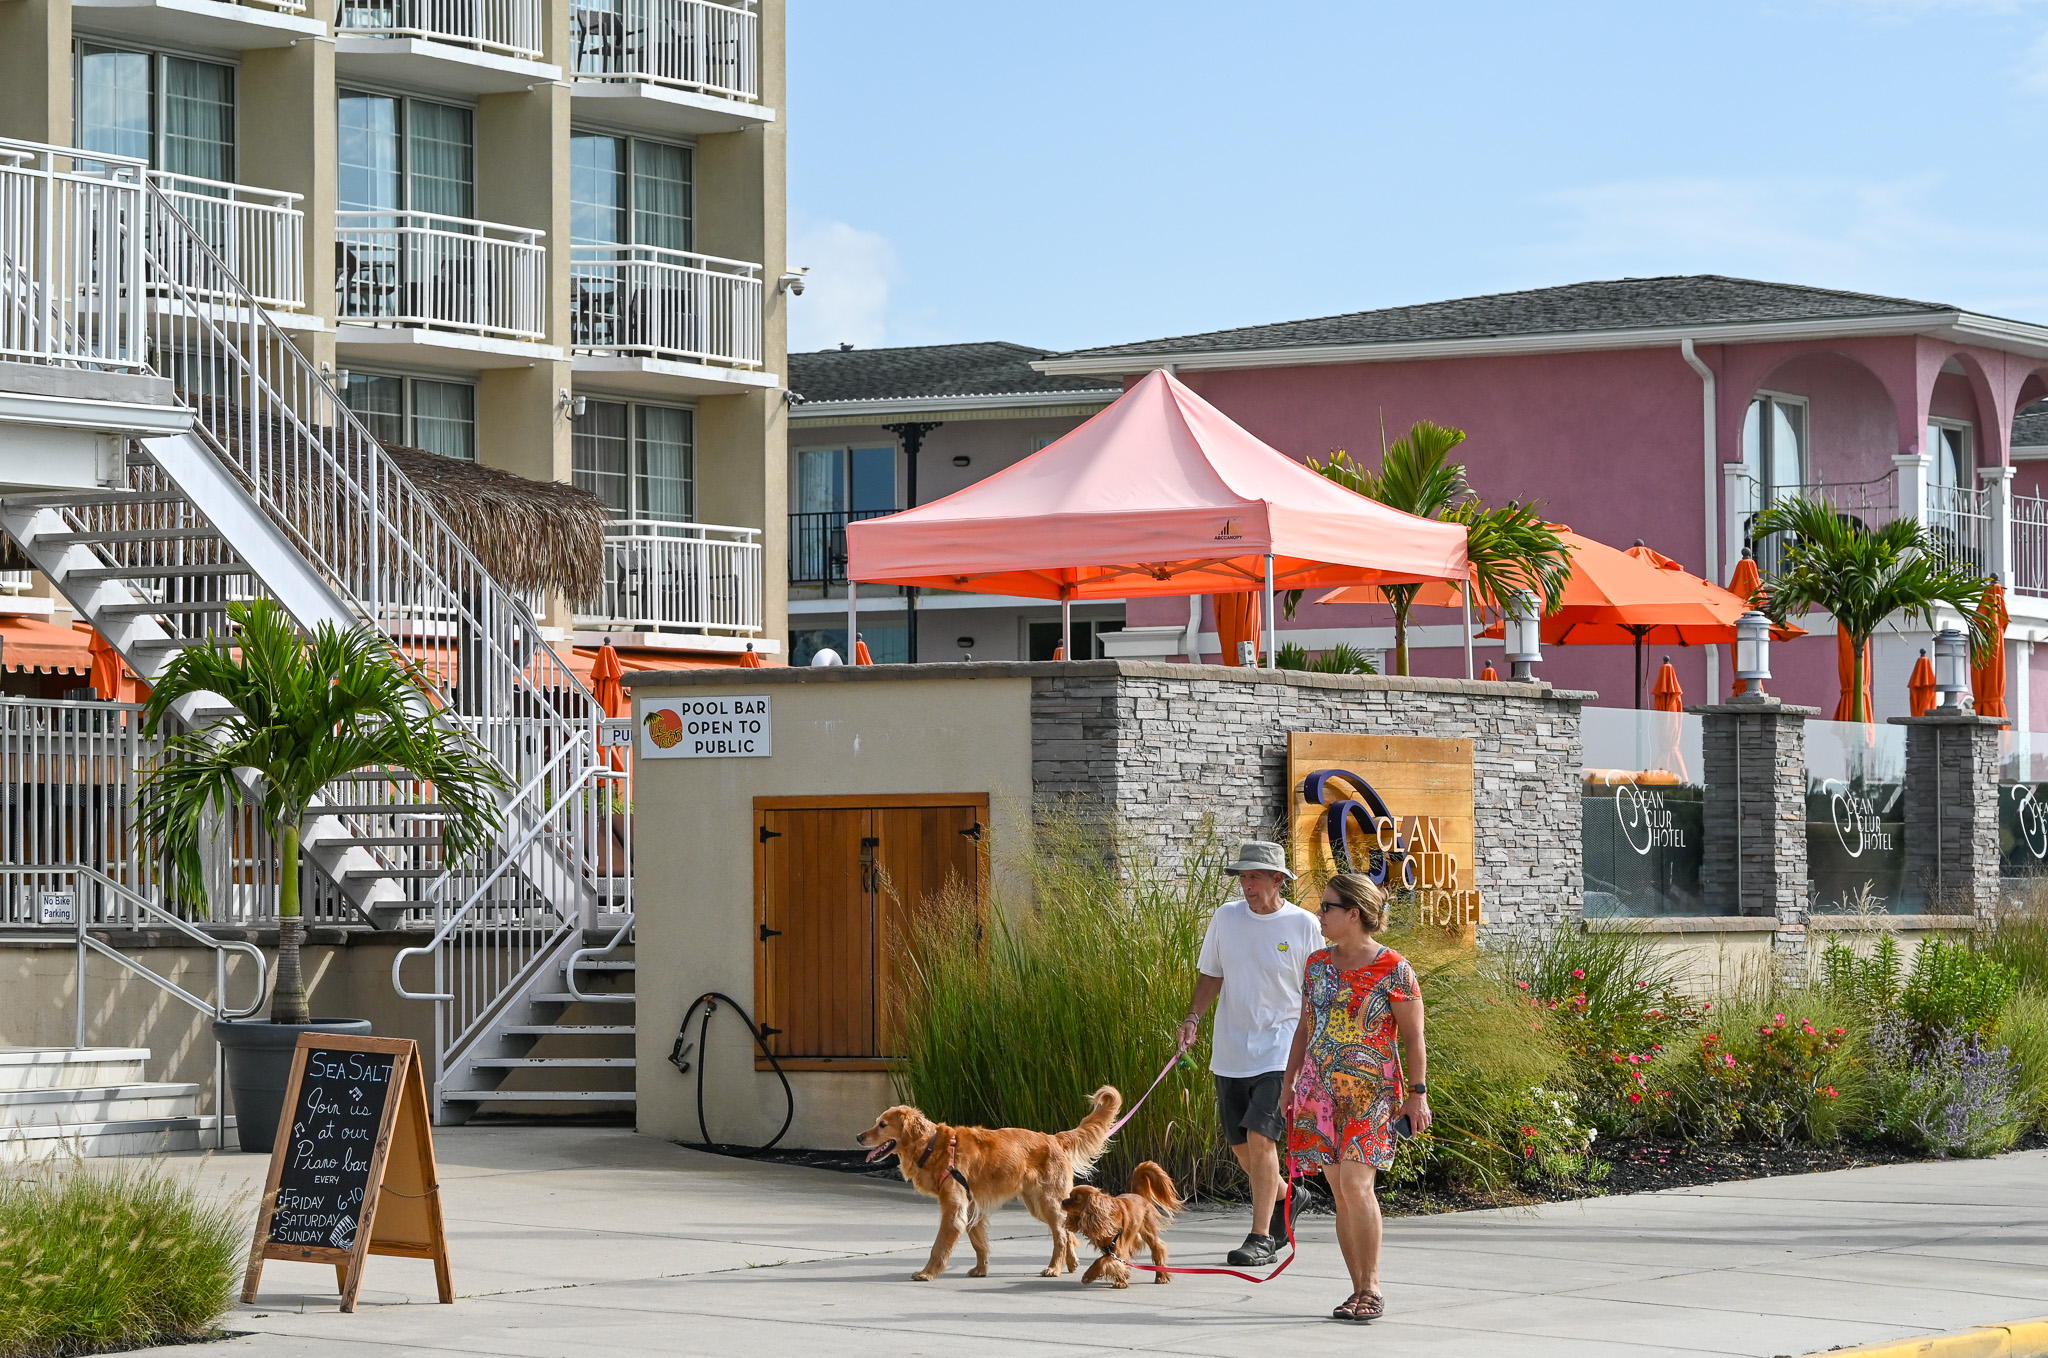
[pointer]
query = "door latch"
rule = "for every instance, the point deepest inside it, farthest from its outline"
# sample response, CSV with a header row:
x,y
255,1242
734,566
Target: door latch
x,y
868,845
768,834
973,832
768,933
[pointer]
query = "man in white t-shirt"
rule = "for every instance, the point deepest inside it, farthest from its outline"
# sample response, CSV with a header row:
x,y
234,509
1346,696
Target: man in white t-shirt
x,y
1253,956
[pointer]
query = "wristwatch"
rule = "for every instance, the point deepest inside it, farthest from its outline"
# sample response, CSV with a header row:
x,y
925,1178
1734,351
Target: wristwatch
x,y
1418,1089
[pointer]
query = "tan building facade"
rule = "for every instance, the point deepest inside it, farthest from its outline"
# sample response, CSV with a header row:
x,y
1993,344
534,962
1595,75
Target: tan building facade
x,y
544,235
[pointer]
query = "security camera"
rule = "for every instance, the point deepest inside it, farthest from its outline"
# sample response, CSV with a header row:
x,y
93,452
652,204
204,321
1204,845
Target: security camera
x,y
792,282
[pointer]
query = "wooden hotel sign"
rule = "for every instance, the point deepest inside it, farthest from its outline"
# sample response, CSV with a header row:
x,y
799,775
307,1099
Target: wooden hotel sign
x,y
1398,808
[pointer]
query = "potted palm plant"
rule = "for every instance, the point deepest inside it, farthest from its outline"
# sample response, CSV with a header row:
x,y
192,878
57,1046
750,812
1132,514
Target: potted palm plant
x,y
307,712
1861,576
1510,546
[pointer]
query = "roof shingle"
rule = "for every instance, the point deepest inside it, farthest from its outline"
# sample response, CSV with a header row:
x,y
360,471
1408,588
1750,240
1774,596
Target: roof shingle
x,y
1619,304
990,368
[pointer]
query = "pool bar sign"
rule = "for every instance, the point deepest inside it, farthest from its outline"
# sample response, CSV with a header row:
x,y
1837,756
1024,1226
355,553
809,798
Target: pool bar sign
x,y
739,727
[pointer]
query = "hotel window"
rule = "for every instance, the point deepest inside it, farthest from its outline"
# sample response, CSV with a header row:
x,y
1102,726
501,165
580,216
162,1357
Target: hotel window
x,y
1952,463
405,155
417,411
837,480
625,191
177,113
640,460
1774,448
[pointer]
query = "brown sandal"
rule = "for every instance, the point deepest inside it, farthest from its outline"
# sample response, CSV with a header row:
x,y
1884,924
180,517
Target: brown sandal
x,y
1362,1309
1343,1311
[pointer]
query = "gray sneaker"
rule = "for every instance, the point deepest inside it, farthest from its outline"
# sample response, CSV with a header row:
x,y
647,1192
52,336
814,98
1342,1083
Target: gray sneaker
x,y
1257,1249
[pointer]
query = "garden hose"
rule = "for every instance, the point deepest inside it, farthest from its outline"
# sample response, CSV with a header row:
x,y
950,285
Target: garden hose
x,y
677,1054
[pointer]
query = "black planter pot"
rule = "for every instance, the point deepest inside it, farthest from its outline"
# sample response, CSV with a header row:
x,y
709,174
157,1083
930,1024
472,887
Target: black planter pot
x,y
259,1061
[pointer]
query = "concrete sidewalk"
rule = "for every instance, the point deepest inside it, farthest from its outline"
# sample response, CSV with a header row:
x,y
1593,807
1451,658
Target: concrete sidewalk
x,y
592,1241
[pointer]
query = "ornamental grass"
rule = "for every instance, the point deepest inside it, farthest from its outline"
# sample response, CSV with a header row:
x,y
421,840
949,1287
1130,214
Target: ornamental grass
x,y
109,1255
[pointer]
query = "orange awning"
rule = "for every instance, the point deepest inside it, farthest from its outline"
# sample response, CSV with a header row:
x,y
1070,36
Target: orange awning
x,y
28,644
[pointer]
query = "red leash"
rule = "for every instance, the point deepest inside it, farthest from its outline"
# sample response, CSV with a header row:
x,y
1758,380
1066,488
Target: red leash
x,y
1286,1202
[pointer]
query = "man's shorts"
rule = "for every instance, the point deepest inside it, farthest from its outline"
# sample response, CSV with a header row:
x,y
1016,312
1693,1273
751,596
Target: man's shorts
x,y
1250,1103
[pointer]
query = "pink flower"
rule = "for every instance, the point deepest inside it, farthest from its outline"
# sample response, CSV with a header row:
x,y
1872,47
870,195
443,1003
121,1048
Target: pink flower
x,y
1635,1096
1840,1031
1705,1007
1578,974
1830,1092
1656,1013
1777,1018
1523,984
1727,1060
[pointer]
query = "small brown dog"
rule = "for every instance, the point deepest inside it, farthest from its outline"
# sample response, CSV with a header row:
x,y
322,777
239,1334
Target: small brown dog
x,y
974,1170
1119,1225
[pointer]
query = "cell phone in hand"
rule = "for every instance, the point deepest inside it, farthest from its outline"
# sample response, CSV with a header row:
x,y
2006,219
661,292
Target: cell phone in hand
x,y
1404,1127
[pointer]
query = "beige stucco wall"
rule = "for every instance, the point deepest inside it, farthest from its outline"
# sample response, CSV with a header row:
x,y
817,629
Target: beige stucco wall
x,y
694,870
347,977
1716,954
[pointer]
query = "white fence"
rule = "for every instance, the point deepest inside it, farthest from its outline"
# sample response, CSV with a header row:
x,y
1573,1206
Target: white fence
x,y
260,234
690,44
71,257
637,299
2030,545
1960,520
699,576
412,268
512,27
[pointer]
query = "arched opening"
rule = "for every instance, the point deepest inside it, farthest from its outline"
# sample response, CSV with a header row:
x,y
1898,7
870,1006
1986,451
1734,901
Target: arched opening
x,y
1819,425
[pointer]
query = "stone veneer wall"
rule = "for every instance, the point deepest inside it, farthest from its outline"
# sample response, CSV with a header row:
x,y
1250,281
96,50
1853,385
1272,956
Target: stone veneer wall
x,y
1753,863
1951,808
1172,744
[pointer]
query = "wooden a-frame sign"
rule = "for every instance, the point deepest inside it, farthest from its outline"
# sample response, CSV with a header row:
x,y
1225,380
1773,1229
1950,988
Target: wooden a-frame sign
x,y
352,1173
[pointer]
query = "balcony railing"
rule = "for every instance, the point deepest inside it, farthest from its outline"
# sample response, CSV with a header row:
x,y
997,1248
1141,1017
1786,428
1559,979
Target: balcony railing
x,y
1960,521
16,582
415,268
685,576
2030,545
689,44
260,234
70,257
509,27
640,300
817,544
1868,502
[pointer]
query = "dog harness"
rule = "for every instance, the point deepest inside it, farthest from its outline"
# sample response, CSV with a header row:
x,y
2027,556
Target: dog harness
x,y
952,1156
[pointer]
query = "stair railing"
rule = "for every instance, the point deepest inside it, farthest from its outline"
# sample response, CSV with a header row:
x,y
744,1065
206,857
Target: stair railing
x,y
141,911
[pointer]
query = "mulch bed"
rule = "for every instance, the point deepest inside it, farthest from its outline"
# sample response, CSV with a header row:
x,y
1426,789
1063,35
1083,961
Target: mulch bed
x,y
1643,1166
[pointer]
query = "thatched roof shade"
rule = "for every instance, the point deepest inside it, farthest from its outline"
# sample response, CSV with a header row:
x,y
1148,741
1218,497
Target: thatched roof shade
x,y
11,557
529,534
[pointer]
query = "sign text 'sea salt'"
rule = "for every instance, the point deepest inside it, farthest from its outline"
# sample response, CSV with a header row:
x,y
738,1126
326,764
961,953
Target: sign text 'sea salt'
x,y
738,727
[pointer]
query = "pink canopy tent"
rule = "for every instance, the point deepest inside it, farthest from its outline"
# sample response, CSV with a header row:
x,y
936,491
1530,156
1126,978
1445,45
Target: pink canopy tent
x,y
1160,494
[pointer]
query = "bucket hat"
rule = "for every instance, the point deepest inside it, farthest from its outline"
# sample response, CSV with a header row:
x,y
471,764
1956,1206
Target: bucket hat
x,y
1260,855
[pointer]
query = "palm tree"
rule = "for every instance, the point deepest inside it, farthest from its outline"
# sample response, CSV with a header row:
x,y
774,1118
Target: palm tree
x,y
306,713
1862,576
1510,547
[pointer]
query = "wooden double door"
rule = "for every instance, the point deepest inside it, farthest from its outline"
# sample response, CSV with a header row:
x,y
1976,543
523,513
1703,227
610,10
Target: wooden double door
x,y
837,883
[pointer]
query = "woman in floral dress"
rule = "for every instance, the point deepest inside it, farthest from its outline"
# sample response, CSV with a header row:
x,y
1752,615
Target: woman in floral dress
x,y
1358,998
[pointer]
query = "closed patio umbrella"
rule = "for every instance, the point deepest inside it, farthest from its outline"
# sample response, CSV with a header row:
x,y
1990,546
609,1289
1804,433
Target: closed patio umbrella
x,y
1237,621
1667,696
1920,690
107,674
1987,681
1489,672
1845,653
860,653
607,685
751,659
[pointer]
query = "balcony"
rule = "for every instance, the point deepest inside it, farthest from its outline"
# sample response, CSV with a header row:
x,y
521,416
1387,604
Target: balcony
x,y
1961,523
467,46
219,24
259,235
414,269
661,576
71,258
639,301
817,544
676,65
1868,502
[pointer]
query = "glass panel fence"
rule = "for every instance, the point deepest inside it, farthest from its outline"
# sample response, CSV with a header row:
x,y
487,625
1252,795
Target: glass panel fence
x,y
1855,819
2023,804
1643,794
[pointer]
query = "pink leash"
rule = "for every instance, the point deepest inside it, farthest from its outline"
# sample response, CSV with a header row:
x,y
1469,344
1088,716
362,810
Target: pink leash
x,y
1286,1202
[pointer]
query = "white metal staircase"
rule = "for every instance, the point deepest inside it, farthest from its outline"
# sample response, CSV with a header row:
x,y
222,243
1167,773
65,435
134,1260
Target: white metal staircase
x,y
280,491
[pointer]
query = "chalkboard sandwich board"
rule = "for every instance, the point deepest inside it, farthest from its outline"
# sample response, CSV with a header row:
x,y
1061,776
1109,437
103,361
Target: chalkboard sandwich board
x,y
352,1173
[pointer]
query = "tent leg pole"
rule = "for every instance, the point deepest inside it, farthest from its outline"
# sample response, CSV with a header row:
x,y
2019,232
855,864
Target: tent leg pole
x,y
1272,620
852,620
1465,598
1066,628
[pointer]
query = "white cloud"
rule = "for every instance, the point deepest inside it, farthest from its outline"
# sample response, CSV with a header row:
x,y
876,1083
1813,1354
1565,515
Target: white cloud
x,y
846,296
1912,236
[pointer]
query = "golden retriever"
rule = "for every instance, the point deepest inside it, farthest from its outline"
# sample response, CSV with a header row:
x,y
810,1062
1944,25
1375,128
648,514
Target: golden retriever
x,y
1119,1225
974,1170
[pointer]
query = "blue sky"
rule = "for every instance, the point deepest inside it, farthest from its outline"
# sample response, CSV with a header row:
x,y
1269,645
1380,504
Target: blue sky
x,y
1078,172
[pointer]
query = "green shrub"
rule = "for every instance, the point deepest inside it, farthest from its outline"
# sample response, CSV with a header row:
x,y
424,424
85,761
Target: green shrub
x,y
1954,988
2019,940
2025,1033
105,1256
1956,1095
1341,658
1773,1065
1869,983
1015,1022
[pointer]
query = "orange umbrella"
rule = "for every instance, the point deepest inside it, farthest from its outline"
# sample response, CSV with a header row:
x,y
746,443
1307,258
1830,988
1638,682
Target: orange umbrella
x,y
1920,694
1667,696
1987,681
607,686
1617,598
108,675
1489,672
1237,620
1845,654
860,653
751,659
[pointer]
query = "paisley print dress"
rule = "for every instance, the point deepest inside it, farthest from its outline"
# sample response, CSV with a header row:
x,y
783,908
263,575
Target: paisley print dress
x,y
1351,1090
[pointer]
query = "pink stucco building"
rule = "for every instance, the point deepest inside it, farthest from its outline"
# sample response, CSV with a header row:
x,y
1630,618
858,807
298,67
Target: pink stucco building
x,y
1667,410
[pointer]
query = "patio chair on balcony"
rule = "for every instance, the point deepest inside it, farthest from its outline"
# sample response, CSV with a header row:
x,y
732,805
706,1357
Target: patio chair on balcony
x,y
663,318
600,41
451,295
594,313
366,284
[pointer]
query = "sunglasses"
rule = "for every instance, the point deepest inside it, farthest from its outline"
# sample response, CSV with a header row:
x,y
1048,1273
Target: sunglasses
x,y
1331,905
